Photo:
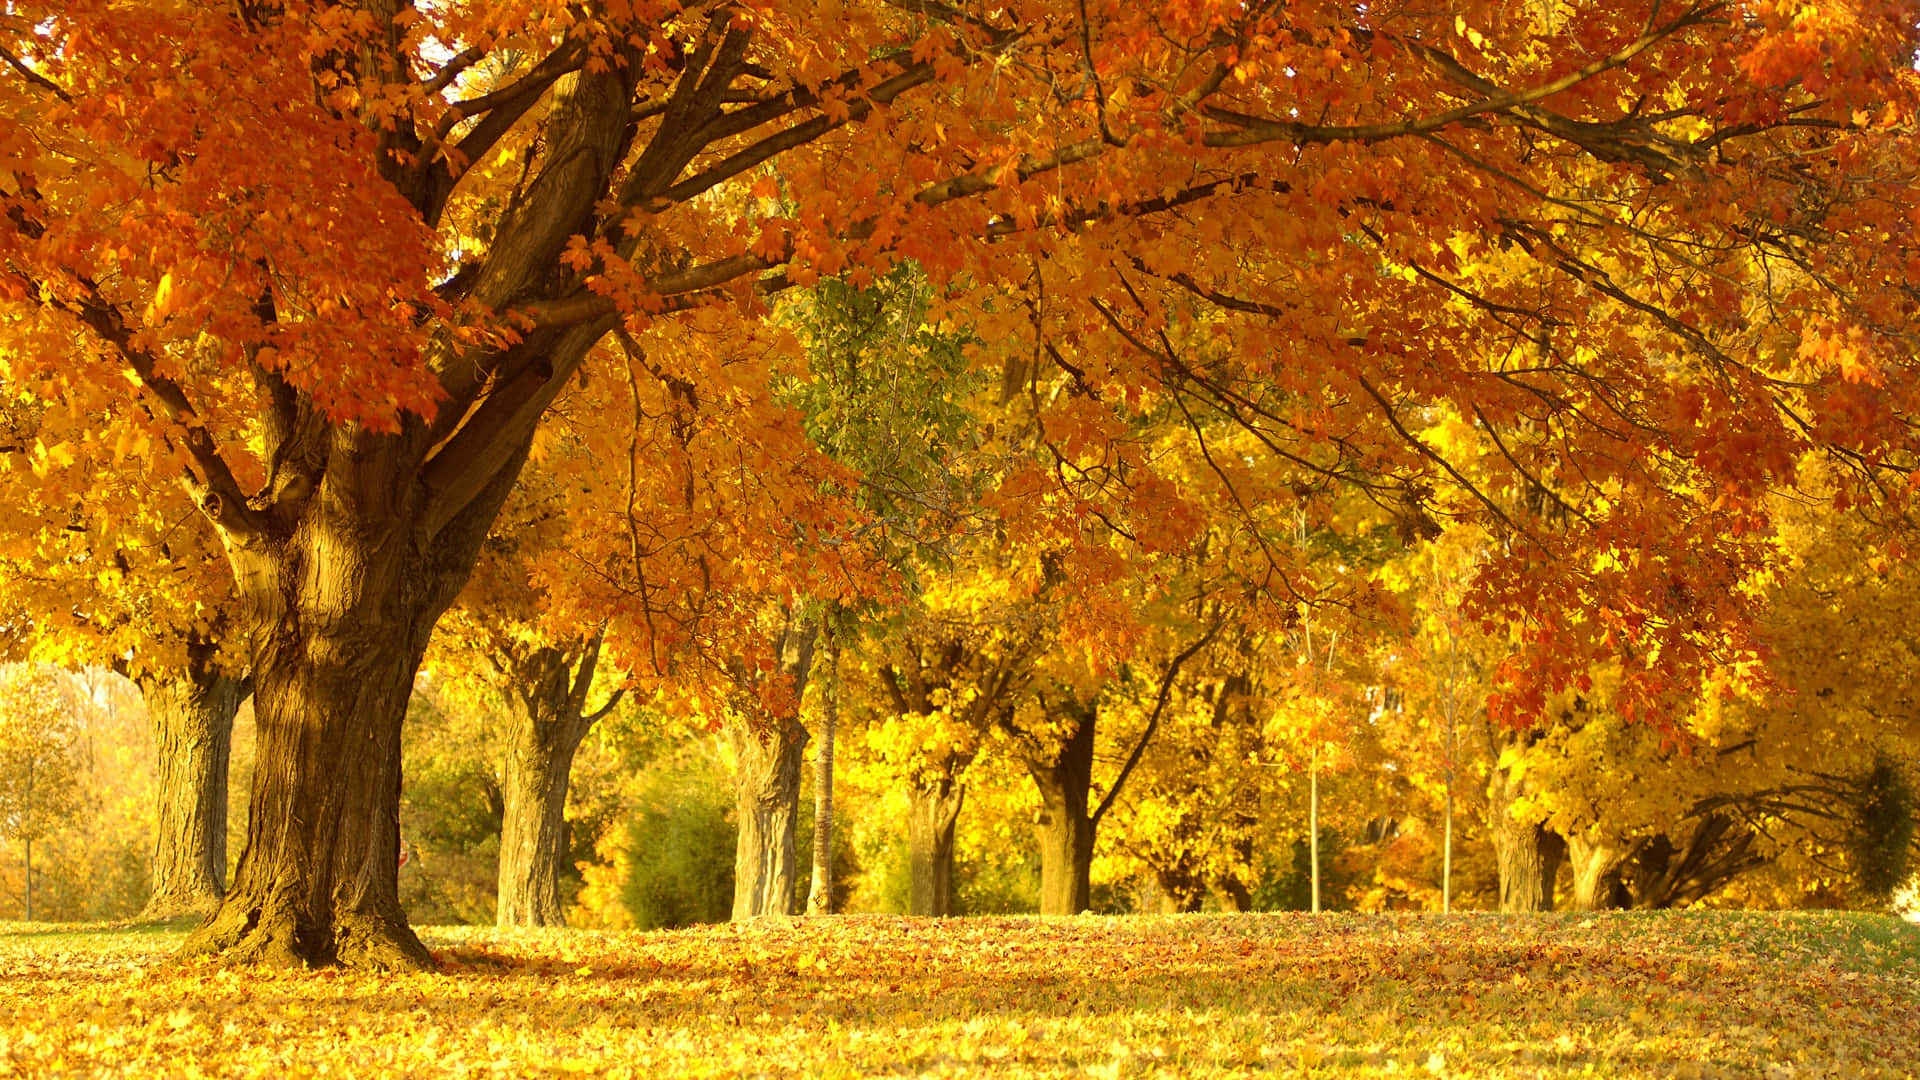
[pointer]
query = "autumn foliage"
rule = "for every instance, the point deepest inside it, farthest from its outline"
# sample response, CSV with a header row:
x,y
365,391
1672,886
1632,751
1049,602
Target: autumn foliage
x,y
1204,322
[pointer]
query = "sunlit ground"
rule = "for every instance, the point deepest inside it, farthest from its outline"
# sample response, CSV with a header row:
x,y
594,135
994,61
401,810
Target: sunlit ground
x,y
1706,994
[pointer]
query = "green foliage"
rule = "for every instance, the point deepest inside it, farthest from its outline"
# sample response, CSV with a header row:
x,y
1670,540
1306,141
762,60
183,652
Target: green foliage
x,y
680,844
450,814
890,398
1286,881
994,884
1883,830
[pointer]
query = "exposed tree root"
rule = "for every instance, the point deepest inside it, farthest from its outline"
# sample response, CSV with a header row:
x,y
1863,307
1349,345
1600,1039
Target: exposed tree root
x,y
273,936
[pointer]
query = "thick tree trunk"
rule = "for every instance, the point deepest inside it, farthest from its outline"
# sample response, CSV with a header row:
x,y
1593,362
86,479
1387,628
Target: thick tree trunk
x,y
1065,827
318,879
1529,860
767,803
546,733
191,710
768,758
339,601
1596,874
533,834
358,539
1526,853
1066,860
1181,890
932,811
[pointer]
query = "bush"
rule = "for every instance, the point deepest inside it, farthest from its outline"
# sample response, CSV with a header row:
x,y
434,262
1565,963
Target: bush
x,y
1882,835
680,844
1288,885
450,812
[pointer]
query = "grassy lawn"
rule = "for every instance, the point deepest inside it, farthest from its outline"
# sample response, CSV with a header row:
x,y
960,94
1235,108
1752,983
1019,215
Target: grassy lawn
x,y
1705,994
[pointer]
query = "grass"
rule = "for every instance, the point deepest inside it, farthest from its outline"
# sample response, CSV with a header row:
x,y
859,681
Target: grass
x,y
1775,995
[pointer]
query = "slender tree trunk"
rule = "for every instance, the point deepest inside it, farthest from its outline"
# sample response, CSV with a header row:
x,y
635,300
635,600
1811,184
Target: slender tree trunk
x,y
28,841
1313,829
820,889
767,800
191,710
1065,827
547,730
932,812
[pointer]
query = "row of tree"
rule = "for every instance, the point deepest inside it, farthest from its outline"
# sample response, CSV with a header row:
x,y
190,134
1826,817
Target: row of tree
x,y
1150,336
1205,748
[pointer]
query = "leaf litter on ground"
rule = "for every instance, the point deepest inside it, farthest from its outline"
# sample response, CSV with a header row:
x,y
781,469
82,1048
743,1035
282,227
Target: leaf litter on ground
x,y
1709,994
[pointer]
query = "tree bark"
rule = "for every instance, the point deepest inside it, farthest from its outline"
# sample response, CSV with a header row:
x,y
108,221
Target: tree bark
x,y
1181,890
767,800
191,710
1529,859
318,879
1065,827
552,685
1527,853
1596,874
932,811
1714,851
820,889
339,599
357,539
1062,768
768,761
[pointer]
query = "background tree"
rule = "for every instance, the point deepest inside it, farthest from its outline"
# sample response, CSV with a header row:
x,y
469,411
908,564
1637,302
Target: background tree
x,y
945,685
1200,808
767,741
820,883
266,240
893,398
540,664
39,760
120,572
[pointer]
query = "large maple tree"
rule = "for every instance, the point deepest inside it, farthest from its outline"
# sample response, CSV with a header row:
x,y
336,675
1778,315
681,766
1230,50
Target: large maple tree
x,y
335,261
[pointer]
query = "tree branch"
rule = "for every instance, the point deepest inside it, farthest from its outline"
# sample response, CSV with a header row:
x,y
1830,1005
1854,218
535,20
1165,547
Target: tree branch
x,y
214,490
35,77
1153,721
